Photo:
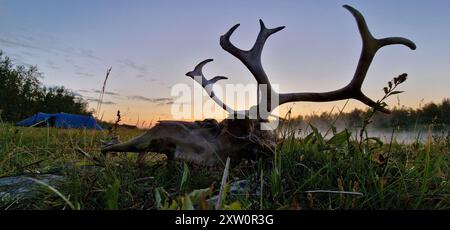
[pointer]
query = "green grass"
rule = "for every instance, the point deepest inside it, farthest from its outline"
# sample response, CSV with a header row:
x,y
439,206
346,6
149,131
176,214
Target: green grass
x,y
413,176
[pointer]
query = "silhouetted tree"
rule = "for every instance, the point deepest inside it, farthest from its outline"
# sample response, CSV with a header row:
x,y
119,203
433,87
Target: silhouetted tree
x,y
22,94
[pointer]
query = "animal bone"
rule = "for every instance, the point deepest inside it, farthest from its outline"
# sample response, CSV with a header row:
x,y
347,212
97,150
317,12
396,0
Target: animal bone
x,y
203,142
209,142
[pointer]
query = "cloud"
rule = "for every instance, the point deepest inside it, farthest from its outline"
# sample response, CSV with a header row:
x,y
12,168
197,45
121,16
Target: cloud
x,y
162,99
83,74
146,78
106,92
96,91
87,53
133,65
159,101
27,53
155,80
51,64
140,98
18,43
33,40
103,102
108,103
75,66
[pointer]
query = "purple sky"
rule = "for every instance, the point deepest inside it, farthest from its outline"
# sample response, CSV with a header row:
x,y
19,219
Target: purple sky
x,y
152,44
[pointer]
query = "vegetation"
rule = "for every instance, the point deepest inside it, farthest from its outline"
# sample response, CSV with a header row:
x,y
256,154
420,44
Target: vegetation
x,y
388,175
22,94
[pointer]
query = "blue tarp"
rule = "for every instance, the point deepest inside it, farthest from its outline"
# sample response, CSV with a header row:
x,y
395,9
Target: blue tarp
x,y
61,120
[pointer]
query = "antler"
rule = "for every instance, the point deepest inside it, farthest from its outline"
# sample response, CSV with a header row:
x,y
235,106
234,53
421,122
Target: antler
x,y
370,46
252,60
197,75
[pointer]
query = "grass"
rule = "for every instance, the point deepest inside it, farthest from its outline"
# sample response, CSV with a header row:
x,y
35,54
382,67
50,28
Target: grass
x,y
305,173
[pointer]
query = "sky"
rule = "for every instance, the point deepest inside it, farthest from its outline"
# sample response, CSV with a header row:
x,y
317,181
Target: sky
x,y
150,45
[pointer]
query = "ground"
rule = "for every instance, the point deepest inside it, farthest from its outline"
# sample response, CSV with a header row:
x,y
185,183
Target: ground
x,y
306,173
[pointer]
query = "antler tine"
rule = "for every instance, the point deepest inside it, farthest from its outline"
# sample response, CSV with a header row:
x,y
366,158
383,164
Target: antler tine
x,y
396,41
197,75
370,46
226,44
366,35
252,58
198,70
264,33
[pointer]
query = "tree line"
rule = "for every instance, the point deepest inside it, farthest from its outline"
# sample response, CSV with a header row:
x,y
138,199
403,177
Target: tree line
x,y
22,94
436,114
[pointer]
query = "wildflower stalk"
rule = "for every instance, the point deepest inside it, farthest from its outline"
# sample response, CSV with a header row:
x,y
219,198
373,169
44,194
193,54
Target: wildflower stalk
x,y
389,90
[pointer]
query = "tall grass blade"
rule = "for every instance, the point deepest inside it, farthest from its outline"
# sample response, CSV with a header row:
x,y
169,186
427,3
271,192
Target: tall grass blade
x,y
223,184
51,188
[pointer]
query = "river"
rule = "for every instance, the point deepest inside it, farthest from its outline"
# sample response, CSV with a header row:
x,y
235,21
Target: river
x,y
399,136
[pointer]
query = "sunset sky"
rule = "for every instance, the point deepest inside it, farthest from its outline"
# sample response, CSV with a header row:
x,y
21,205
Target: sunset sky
x,y
152,44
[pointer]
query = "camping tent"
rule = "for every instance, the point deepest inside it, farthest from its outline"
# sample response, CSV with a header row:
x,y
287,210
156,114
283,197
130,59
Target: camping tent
x,y
61,120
